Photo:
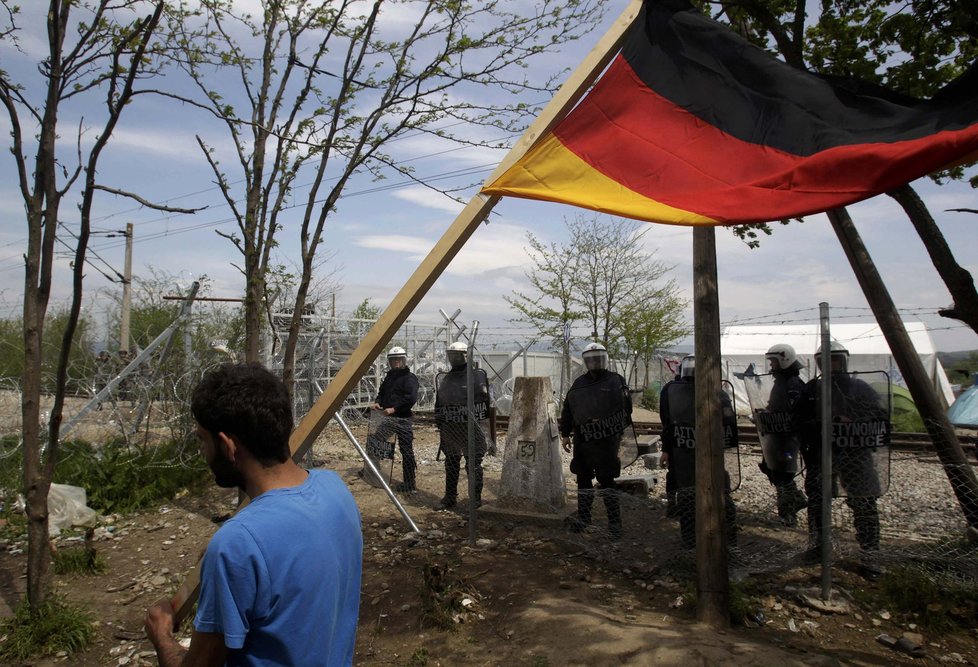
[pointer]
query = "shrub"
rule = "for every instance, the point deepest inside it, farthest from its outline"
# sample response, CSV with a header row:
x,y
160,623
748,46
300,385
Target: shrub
x,y
650,398
56,626
939,606
119,478
116,477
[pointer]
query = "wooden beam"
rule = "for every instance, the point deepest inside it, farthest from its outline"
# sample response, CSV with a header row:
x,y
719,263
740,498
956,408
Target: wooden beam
x,y
712,584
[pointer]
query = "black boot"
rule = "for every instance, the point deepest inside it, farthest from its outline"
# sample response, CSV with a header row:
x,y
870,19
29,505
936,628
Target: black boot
x,y
576,523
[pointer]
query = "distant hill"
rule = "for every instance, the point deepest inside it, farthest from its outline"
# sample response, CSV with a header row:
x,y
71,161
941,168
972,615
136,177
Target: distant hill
x,y
951,358
959,366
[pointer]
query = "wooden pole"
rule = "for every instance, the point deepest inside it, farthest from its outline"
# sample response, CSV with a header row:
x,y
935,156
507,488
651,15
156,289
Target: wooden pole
x,y
126,294
712,584
959,471
435,263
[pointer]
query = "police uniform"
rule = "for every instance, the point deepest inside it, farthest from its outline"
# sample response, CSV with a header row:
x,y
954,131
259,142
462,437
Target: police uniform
x,y
596,411
677,410
399,390
451,416
780,441
860,425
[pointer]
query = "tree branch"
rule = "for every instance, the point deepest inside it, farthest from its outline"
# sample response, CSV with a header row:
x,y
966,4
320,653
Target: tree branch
x,y
146,203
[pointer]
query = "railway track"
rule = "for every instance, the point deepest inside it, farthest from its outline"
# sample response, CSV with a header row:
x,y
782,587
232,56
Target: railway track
x,y
748,434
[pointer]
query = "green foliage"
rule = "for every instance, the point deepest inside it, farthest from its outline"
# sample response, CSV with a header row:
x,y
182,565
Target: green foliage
x,y
81,362
78,560
365,311
933,604
55,626
116,477
419,658
119,478
605,277
650,398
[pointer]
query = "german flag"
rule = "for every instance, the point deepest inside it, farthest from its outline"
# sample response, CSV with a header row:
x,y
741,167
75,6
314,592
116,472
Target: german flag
x,y
693,125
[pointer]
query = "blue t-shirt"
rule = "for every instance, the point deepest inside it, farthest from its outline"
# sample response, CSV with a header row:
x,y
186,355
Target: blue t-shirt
x,y
281,579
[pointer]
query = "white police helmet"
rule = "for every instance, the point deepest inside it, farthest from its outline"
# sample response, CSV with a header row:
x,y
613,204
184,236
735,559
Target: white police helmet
x,y
595,357
457,354
781,357
837,352
397,357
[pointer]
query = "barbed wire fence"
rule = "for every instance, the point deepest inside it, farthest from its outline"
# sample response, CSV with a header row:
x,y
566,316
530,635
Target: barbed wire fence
x,y
921,522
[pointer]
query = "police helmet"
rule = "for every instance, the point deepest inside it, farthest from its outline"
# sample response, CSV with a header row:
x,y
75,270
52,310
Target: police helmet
x,y
781,357
837,352
397,357
595,357
687,367
457,353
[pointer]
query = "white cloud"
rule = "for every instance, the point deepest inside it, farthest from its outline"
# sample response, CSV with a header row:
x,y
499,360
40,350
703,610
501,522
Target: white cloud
x,y
428,198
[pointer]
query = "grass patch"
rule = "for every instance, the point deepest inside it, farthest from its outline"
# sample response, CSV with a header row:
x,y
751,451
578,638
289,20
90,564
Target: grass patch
x,y
442,595
78,560
419,658
939,606
57,626
742,599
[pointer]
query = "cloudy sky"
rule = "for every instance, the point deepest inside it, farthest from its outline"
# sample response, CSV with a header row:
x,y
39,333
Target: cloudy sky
x,y
381,231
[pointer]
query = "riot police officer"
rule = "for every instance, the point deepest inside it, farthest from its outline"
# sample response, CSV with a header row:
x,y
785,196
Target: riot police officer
x,y
452,418
677,409
397,395
596,410
779,433
856,407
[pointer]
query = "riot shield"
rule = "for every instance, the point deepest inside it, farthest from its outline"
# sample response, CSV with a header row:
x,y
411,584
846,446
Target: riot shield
x,y
381,434
731,437
600,409
452,413
860,434
629,450
772,399
682,422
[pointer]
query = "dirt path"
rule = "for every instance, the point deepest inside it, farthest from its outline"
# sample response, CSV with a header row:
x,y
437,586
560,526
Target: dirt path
x,y
525,594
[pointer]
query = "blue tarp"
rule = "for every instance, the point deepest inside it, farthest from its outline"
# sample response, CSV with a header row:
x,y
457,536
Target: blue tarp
x,y
964,411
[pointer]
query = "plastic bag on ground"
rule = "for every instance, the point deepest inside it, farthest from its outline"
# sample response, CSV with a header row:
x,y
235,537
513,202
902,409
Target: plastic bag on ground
x,y
68,506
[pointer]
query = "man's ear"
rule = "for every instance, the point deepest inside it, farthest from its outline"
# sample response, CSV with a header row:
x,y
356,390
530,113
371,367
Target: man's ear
x,y
228,445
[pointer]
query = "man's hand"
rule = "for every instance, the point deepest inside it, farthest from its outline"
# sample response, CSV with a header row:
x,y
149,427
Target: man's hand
x,y
160,624
664,460
565,443
389,411
376,406
207,649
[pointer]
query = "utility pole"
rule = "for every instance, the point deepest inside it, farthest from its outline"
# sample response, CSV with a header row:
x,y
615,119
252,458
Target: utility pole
x,y
126,294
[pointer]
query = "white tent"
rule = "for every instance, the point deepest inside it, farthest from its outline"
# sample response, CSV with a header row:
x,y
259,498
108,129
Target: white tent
x,y
743,345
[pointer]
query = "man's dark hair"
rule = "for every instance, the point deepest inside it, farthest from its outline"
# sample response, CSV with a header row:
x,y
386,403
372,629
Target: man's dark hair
x,y
250,402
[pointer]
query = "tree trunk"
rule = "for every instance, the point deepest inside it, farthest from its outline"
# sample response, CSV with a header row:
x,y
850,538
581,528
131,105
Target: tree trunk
x,y
959,471
959,281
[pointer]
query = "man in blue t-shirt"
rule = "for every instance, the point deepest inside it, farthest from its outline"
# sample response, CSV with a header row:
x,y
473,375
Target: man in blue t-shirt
x,y
280,581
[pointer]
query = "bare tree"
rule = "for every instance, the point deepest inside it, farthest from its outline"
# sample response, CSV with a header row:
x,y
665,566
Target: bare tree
x,y
326,86
550,307
605,276
614,270
104,51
